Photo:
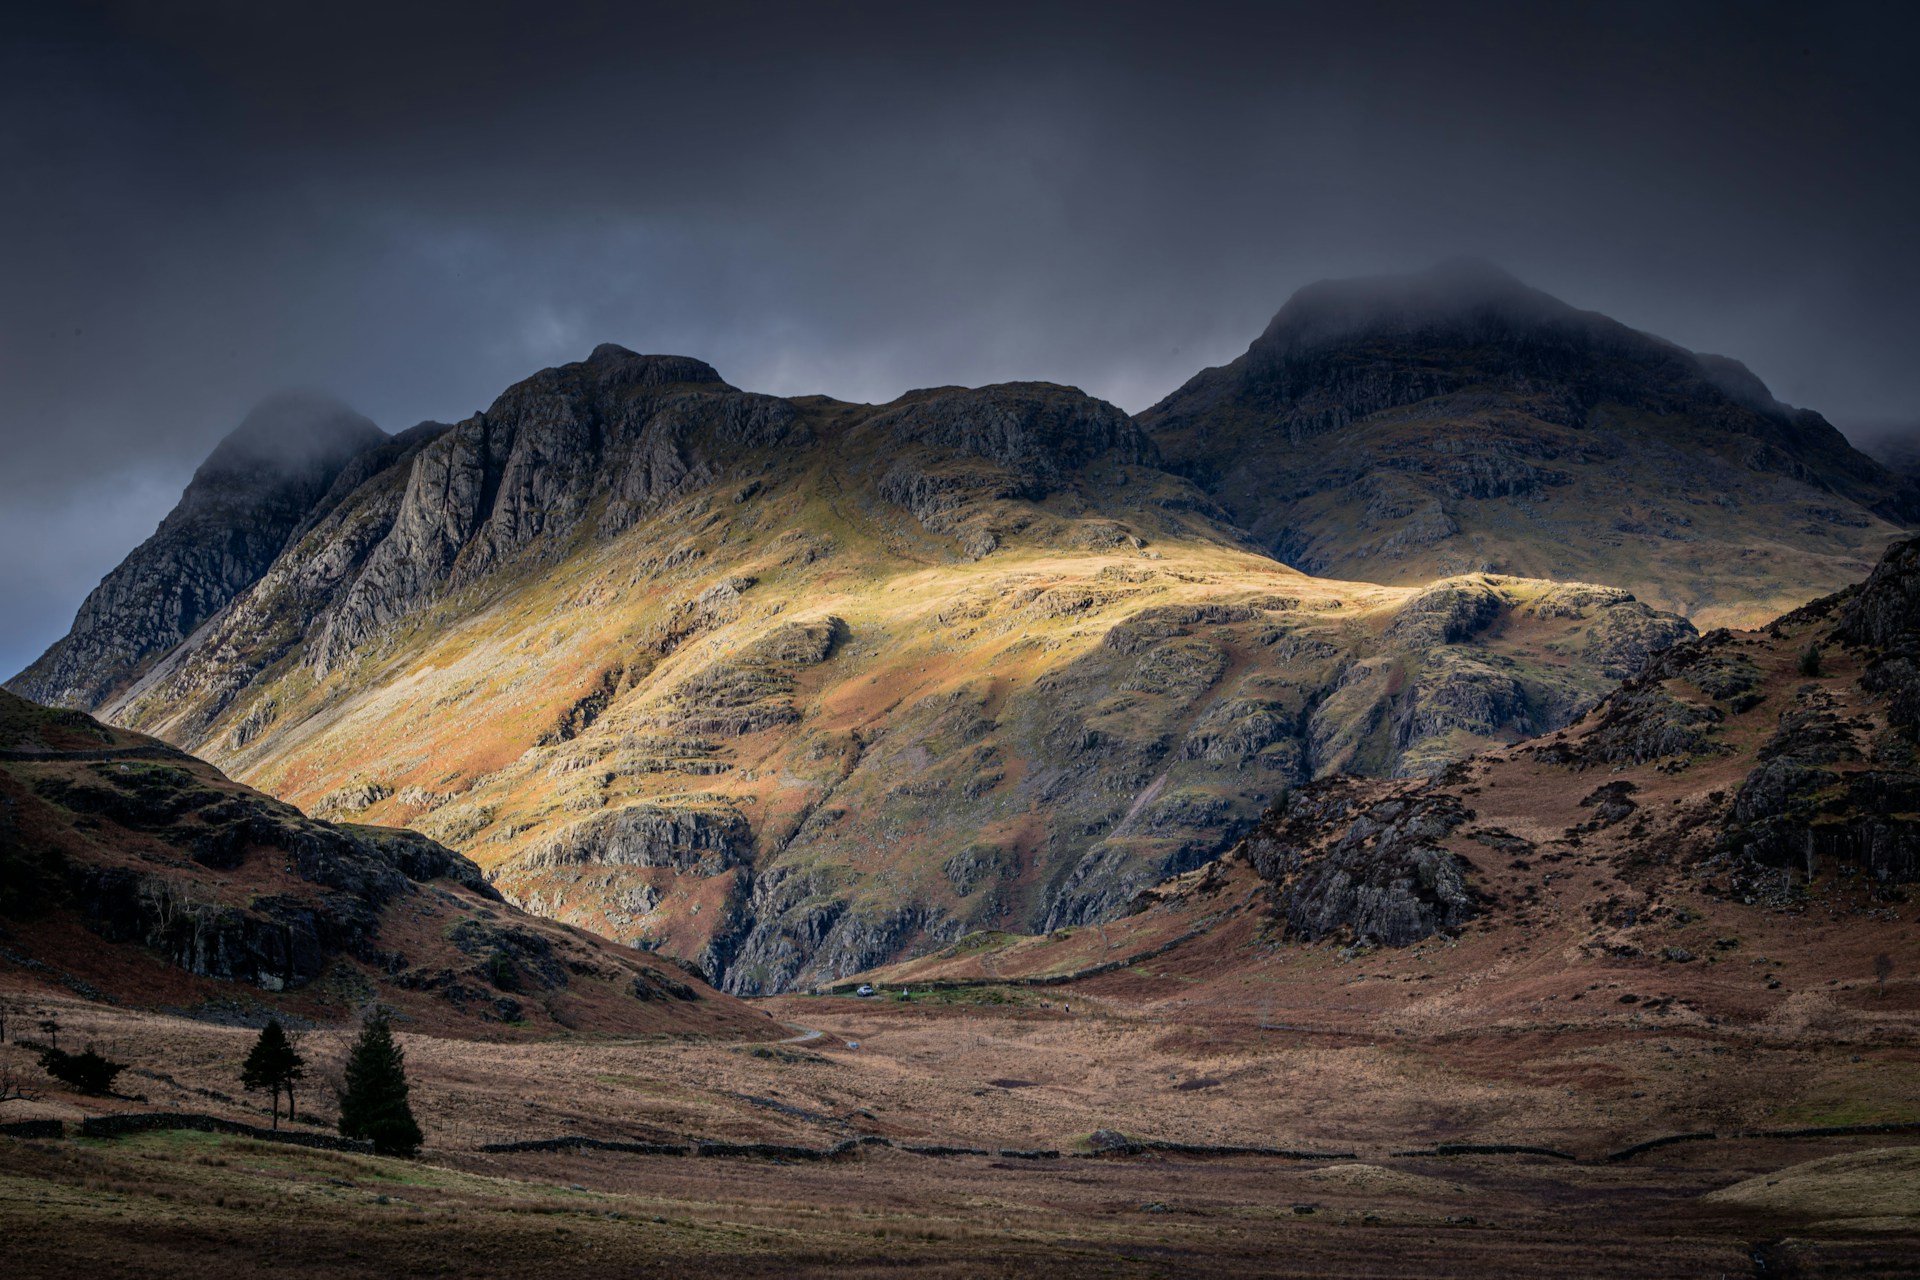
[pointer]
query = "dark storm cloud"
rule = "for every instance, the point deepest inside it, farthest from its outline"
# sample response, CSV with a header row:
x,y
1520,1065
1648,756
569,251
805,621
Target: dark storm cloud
x,y
413,205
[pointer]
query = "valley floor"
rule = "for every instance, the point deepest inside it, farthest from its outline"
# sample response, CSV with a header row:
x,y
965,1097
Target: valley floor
x,y
1183,1048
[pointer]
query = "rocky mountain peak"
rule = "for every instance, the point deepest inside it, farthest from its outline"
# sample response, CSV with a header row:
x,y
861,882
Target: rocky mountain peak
x,y
615,364
1403,428
1038,430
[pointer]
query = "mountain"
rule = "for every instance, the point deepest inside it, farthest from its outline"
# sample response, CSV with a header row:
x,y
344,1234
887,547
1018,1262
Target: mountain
x,y
1399,429
234,518
1899,450
792,686
133,872
1726,840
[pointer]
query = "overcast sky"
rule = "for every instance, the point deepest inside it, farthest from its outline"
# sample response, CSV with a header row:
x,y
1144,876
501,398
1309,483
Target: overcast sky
x,y
412,206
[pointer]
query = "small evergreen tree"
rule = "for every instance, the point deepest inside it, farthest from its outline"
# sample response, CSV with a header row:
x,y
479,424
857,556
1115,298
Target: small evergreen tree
x,y
373,1105
273,1064
1810,660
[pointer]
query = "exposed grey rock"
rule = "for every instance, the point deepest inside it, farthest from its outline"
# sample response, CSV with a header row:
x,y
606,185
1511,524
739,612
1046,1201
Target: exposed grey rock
x,y
976,864
706,841
1034,431
625,431
1611,802
1371,870
1627,633
953,452
1241,730
1884,615
1797,809
1885,612
1446,613
1641,721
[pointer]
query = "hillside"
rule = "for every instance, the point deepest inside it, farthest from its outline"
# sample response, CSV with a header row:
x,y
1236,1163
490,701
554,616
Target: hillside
x,y
1727,841
790,687
133,873
1400,429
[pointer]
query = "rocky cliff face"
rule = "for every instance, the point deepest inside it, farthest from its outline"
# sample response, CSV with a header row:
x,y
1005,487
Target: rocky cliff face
x,y
231,523
1401,429
1373,869
789,687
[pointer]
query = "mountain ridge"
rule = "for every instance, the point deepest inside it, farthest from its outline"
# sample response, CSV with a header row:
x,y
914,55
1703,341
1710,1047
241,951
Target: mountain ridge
x,y
778,685
793,686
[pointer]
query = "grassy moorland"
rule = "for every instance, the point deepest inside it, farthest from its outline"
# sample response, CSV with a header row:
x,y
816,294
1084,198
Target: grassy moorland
x,y
1226,1040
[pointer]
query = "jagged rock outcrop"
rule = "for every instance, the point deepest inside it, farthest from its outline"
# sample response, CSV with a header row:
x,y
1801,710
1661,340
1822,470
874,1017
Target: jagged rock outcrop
x,y
1833,787
705,841
1824,804
1837,780
1884,618
1345,861
232,522
622,431
949,455
796,923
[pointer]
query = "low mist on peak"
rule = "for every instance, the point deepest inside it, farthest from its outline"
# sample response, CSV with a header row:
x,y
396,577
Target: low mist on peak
x,y
294,431
1459,291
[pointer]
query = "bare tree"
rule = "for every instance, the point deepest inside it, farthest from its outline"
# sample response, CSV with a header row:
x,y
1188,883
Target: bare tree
x,y
12,1086
1882,970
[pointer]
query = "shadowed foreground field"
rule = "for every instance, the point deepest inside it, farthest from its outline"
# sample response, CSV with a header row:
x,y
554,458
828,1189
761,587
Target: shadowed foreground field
x,y
201,1205
999,1069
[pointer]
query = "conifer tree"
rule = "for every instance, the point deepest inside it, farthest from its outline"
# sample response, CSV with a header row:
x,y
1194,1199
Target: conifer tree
x,y
273,1064
373,1105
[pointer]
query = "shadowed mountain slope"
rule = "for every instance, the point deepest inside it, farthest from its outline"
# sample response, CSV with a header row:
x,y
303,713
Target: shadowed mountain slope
x,y
1399,429
133,872
791,686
